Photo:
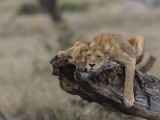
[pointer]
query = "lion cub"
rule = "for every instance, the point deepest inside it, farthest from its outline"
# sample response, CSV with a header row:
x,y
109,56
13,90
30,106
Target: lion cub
x,y
113,46
77,52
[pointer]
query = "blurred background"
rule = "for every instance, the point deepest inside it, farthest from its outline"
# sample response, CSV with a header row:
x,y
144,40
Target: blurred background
x,y
33,31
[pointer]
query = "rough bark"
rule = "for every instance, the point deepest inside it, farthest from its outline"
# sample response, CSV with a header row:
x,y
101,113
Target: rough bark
x,y
105,87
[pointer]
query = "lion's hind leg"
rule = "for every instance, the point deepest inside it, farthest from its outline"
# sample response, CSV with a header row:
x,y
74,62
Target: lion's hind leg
x,y
138,47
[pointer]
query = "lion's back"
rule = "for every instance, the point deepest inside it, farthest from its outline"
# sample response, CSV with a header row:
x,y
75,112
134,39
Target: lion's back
x,y
114,40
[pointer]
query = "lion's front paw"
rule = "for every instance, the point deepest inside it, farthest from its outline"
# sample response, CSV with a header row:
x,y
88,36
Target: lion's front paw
x,y
128,100
61,54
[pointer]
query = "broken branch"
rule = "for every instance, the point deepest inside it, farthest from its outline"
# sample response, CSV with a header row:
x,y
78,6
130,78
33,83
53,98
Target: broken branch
x,y
105,87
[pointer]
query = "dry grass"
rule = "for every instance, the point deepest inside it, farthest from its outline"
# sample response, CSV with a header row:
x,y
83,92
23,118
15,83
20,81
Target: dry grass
x,y
27,43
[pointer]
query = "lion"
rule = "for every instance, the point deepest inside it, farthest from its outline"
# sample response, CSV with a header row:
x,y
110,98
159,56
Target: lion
x,y
79,56
77,52
108,46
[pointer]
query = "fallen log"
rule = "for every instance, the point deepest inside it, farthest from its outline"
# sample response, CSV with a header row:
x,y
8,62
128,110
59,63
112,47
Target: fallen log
x,y
106,87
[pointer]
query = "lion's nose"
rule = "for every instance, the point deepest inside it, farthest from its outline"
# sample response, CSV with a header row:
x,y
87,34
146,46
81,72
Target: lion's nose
x,y
92,65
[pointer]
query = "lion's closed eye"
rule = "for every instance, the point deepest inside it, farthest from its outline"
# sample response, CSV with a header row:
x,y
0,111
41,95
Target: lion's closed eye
x,y
88,55
99,56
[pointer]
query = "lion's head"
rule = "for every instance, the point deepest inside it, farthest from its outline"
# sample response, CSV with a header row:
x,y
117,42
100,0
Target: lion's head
x,y
80,60
96,57
79,53
79,47
81,63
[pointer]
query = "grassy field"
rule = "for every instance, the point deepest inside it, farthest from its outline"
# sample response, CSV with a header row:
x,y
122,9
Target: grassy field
x,y
28,42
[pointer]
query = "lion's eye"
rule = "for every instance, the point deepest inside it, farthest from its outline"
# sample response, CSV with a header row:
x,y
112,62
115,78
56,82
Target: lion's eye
x,y
88,55
82,51
98,56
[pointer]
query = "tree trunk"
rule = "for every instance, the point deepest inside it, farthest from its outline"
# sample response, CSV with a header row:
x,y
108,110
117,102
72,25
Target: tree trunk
x,y
106,87
53,9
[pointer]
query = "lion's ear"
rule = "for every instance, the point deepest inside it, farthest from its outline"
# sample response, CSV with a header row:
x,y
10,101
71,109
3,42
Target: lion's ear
x,y
76,43
83,50
72,61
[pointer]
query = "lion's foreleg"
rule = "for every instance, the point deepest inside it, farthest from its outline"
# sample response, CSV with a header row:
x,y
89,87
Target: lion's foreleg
x,y
65,53
129,64
128,86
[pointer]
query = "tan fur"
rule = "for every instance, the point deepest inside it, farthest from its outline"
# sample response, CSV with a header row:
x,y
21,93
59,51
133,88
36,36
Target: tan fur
x,y
77,53
109,46
138,47
113,46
